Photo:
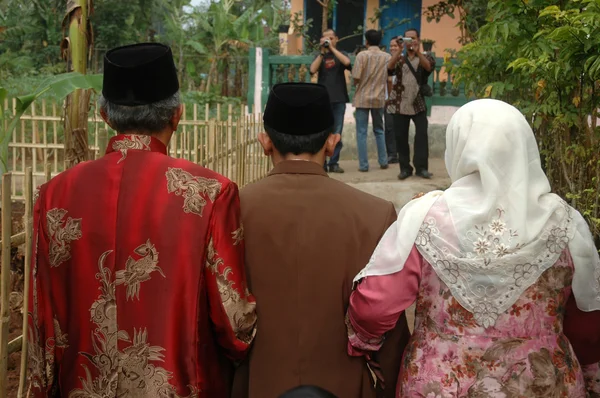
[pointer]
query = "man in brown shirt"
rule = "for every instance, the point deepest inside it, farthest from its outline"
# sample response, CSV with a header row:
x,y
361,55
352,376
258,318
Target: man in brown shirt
x,y
307,236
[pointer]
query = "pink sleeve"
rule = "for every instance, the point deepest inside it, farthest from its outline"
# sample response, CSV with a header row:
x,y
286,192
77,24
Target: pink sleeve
x,y
378,302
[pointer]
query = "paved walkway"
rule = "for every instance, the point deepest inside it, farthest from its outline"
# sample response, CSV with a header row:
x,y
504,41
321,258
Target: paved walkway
x,y
385,184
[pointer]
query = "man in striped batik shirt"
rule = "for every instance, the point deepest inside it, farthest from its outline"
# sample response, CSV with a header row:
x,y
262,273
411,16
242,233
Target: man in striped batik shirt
x,y
370,77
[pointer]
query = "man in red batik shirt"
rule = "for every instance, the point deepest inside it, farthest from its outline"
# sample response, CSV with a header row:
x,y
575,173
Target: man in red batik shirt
x,y
138,283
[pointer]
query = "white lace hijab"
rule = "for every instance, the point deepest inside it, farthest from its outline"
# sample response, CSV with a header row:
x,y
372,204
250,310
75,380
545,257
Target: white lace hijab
x,y
497,228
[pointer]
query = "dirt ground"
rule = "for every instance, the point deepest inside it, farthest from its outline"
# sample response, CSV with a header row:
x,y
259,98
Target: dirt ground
x,y
16,299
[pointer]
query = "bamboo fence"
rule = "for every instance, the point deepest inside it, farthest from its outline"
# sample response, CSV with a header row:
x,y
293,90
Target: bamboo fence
x,y
226,144
8,241
229,147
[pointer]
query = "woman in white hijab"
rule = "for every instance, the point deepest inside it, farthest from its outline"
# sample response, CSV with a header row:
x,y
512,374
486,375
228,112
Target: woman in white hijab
x,y
491,262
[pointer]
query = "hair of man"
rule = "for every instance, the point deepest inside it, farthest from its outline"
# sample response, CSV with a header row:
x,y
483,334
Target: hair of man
x,y
373,37
413,30
143,119
298,144
307,392
329,30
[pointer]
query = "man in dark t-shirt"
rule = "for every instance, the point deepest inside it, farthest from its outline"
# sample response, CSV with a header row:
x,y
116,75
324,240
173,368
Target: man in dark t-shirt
x,y
331,64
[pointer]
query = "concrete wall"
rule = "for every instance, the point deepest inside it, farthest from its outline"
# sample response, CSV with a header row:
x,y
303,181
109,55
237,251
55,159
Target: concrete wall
x,y
294,39
372,6
445,33
438,121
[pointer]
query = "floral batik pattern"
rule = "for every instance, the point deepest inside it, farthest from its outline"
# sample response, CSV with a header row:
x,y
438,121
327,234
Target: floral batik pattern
x,y
138,271
452,354
61,234
238,235
240,312
195,190
493,274
591,374
133,371
139,142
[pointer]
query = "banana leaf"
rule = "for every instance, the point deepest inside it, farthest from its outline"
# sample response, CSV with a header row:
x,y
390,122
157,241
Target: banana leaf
x,y
60,85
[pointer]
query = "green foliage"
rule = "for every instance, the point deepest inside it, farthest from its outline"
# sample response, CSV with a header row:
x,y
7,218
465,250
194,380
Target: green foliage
x,y
60,86
31,34
201,99
118,22
212,39
542,56
220,35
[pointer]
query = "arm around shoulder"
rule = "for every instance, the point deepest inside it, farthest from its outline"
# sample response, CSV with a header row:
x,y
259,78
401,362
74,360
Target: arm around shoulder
x,y
232,307
583,331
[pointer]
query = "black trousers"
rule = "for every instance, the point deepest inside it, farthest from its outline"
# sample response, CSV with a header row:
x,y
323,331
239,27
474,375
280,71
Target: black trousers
x,y
390,136
421,155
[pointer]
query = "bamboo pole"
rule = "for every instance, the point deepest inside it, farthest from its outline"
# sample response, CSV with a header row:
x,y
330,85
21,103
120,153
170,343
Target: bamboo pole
x,y
5,312
14,140
229,141
55,138
211,145
45,132
173,145
48,172
28,190
36,136
183,133
102,142
16,240
15,344
196,148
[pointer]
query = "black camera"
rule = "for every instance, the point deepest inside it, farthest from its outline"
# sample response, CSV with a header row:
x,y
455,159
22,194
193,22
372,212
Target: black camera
x,y
326,43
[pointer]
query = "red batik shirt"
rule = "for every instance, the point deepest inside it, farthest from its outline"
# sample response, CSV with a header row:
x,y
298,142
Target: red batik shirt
x,y
138,282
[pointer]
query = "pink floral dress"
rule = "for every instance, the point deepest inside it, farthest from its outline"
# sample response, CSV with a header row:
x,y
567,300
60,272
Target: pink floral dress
x,y
525,354
591,374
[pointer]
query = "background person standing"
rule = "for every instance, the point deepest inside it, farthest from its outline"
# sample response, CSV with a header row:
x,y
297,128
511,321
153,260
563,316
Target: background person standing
x,y
407,103
370,77
331,64
390,139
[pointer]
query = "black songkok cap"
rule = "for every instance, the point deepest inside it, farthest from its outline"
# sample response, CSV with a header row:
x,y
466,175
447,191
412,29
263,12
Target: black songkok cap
x,y
139,74
298,109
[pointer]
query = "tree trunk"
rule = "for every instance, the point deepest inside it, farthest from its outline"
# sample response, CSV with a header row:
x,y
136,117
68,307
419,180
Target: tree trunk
x,y
325,6
180,65
77,103
225,79
211,73
238,80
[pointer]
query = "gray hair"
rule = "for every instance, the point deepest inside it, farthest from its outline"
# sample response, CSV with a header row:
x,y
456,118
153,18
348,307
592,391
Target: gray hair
x,y
145,119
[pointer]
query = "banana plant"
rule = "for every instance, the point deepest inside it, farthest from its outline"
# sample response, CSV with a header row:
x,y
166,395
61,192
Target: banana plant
x,y
59,85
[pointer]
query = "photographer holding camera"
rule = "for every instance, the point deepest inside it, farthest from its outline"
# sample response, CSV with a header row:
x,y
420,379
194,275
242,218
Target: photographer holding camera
x,y
331,64
407,102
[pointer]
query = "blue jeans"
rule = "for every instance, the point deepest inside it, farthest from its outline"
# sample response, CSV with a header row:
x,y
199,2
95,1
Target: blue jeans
x,y
362,125
339,110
